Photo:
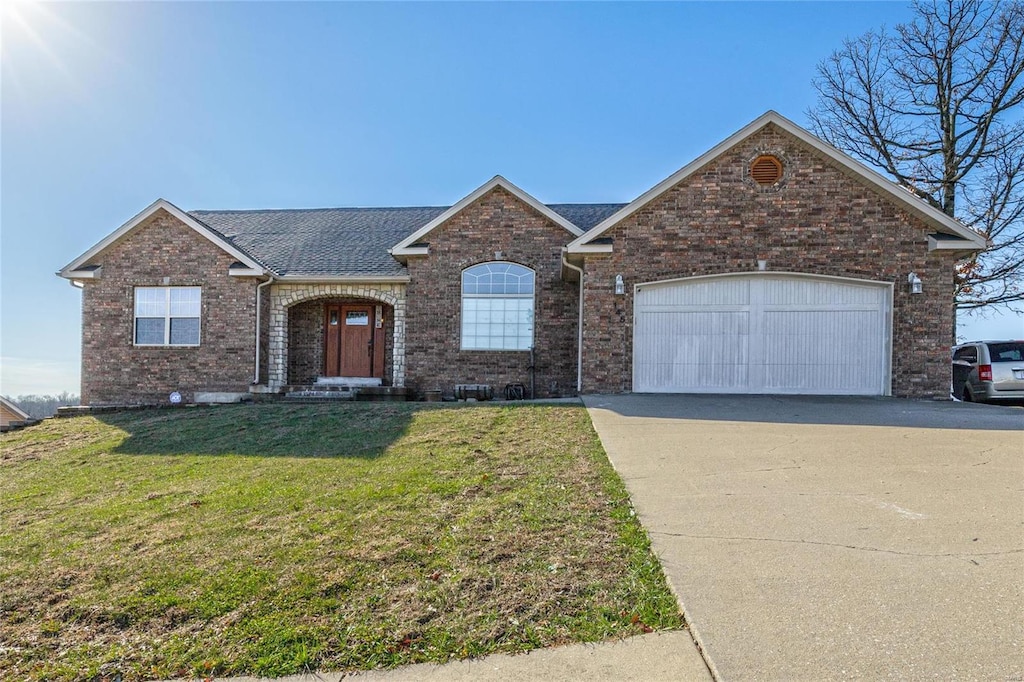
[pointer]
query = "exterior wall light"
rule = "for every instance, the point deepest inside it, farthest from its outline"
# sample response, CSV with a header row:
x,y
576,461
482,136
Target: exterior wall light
x,y
915,283
762,265
620,286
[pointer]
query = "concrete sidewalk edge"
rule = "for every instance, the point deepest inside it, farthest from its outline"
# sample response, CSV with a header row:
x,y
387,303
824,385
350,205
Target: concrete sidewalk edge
x,y
694,634
661,655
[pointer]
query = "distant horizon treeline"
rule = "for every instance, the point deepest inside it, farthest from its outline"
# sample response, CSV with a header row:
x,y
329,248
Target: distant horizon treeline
x,y
42,406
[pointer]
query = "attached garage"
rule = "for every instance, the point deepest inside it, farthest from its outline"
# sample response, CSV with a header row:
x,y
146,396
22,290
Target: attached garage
x,y
763,332
773,263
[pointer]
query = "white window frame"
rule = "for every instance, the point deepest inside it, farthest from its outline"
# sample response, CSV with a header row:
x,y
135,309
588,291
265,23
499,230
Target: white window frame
x,y
531,296
167,317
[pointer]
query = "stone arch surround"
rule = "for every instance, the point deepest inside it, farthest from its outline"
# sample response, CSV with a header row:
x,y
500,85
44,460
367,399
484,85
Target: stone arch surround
x,y
284,296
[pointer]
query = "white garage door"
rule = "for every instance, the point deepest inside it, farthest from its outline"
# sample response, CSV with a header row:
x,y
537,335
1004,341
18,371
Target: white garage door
x,y
762,333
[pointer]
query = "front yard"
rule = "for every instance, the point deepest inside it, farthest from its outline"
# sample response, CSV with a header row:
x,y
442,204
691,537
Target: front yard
x,y
275,539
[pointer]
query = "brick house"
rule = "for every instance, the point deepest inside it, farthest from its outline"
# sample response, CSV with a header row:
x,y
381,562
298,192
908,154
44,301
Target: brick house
x,y
773,263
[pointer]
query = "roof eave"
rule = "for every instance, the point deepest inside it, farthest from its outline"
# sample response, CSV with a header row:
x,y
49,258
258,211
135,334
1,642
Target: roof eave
x,y
575,248
342,279
410,251
247,272
89,273
958,245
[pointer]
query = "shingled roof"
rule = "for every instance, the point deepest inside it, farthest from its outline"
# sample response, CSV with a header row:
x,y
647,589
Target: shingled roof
x,y
353,242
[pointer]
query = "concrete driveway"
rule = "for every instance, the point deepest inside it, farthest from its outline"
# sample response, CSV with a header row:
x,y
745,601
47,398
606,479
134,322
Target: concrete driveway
x,y
833,538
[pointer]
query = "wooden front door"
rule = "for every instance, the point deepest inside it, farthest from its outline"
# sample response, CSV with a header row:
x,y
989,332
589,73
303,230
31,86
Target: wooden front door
x,y
349,340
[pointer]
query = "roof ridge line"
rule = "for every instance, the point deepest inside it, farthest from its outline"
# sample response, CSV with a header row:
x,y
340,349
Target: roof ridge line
x,y
322,208
379,208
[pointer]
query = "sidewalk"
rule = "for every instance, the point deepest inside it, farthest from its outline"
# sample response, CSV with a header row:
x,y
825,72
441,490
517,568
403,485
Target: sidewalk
x,y
657,657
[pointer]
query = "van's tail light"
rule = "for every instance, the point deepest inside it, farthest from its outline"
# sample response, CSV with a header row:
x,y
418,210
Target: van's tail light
x,y
985,372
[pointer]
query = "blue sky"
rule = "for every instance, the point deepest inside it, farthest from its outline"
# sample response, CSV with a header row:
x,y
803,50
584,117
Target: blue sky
x,y
107,106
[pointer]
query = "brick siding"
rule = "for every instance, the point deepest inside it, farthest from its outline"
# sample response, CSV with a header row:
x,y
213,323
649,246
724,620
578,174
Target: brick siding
x,y
821,220
497,221
305,342
164,252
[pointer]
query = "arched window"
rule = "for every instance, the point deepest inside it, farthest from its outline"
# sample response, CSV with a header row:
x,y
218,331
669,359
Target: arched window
x,y
497,307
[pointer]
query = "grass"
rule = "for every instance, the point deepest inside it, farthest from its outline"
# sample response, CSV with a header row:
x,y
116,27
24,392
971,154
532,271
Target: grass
x,y
277,539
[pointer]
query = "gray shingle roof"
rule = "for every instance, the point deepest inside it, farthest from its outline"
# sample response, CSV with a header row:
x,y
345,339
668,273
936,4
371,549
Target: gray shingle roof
x,y
333,242
585,216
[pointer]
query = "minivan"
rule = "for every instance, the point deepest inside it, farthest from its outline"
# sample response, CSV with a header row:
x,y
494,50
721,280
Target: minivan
x,y
989,371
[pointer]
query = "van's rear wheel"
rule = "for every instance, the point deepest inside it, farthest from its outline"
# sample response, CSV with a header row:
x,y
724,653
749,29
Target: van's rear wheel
x,y
967,397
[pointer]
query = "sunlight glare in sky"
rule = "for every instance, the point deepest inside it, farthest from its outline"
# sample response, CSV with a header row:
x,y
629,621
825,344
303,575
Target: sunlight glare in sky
x,y
20,19
36,46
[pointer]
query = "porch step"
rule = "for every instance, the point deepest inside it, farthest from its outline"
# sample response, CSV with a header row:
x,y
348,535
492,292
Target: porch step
x,y
317,393
320,392
348,381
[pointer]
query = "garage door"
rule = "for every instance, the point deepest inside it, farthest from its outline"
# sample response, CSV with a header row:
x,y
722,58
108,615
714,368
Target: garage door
x,y
762,333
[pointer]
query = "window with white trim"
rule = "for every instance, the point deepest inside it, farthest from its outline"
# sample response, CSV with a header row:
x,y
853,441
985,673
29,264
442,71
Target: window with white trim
x,y
497,307
167,316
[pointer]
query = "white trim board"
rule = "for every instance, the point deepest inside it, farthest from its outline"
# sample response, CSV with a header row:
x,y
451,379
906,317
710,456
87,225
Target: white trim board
x,y
932,216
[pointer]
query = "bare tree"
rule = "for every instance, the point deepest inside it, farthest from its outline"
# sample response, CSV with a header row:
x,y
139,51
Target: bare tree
x,y
937,105
43,406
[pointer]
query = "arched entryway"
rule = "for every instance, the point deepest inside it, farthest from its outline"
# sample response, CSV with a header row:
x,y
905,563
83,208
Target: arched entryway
x,y
348,330
340,337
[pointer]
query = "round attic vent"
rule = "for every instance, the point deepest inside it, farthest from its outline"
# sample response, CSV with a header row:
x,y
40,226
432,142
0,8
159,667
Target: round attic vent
x,y
766,170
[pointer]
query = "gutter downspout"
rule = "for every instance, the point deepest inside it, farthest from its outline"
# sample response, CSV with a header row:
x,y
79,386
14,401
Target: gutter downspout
x,y
259,309
579,326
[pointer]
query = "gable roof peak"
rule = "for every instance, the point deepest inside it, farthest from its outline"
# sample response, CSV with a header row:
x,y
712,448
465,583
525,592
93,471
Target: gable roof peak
x,y
406,246
75,267
929,214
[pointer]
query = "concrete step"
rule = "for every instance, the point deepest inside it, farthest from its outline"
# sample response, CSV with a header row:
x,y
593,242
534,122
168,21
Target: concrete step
x,y
314,393
348,381
332,392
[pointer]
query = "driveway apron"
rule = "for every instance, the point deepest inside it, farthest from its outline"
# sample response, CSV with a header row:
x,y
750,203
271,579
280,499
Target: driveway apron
x,y
833,538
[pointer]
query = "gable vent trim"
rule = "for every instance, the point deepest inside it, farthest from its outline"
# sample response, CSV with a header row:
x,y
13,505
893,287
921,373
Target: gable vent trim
x,y
766,170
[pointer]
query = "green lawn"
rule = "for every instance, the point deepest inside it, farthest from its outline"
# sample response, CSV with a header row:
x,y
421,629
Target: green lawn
x,y
273,539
